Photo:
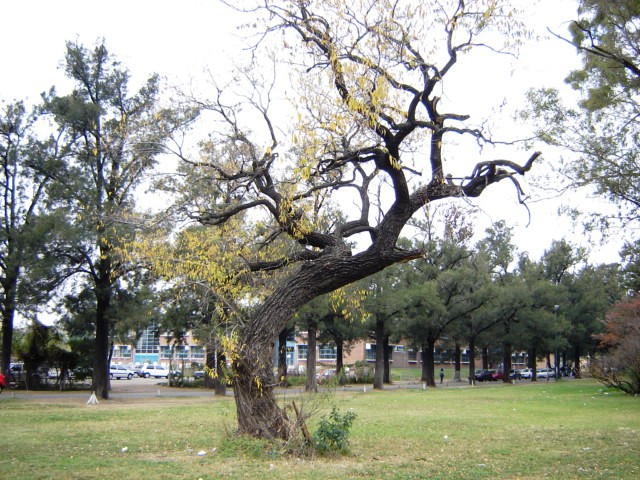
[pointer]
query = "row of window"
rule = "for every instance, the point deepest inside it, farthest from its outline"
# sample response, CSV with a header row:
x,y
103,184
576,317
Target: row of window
x,y
182,352
330,353
149,343
325,353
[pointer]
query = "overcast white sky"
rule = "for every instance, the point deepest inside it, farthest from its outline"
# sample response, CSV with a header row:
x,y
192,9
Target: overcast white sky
x,y
180,39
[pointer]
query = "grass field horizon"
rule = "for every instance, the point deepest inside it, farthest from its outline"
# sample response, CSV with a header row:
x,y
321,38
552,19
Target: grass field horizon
x,y
566,429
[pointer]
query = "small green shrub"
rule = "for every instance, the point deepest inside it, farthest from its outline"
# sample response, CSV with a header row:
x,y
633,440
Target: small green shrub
x,y
296,380
332,435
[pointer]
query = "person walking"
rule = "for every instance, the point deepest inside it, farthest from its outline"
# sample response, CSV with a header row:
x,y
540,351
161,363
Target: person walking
x,y
441,375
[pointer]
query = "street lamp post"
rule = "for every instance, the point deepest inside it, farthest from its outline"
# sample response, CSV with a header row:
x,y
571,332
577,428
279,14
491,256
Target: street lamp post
x,y
555,355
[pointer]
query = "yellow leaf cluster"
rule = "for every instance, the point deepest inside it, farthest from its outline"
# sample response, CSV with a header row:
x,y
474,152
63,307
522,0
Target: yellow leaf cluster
x,y
290,218
349,303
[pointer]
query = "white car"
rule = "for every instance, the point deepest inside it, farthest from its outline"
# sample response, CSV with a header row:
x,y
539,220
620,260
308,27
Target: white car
x,y
526,373
156,371
120,371
545,373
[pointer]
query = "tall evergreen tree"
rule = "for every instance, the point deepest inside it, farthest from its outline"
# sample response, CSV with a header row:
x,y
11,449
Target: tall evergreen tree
x,y
24,225
603,130
117,138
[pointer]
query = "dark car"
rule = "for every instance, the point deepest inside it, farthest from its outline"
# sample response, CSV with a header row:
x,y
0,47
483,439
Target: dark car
x,y
17,372
483,375
515,374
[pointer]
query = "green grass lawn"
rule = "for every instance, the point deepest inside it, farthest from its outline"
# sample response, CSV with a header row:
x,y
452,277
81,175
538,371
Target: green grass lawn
x,y
570,429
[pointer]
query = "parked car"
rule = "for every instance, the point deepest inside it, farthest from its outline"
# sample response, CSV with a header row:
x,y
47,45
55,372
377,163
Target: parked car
x,y
120,371
483,375
566,371
17,372
526,373
515,374
545,373
198,374
495,376
156,371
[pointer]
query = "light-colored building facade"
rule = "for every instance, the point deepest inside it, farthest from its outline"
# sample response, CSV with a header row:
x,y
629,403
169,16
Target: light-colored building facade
x,y
155,347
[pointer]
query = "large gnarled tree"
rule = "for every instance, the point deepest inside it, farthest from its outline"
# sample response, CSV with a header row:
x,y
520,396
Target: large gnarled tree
x,y
369,134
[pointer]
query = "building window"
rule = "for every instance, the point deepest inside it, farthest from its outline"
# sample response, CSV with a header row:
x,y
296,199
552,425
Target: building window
x,y
371,352
291,349
165,352
328,353
197,353
303,351
150,340
123,351
443,355
464,358
181,352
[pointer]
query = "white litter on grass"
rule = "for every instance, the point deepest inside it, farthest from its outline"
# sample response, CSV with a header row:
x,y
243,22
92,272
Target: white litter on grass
x,y
124,449
93,400
202,453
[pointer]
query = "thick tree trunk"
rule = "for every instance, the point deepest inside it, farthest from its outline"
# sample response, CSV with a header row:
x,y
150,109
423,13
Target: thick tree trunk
x,y
210,361
282,357
342,379
378,374
311,384
485,357
100,378
472,360
457,361
423,367
576,361
10,288
257,410
506,363
386,378
533,358
220,382
428,362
